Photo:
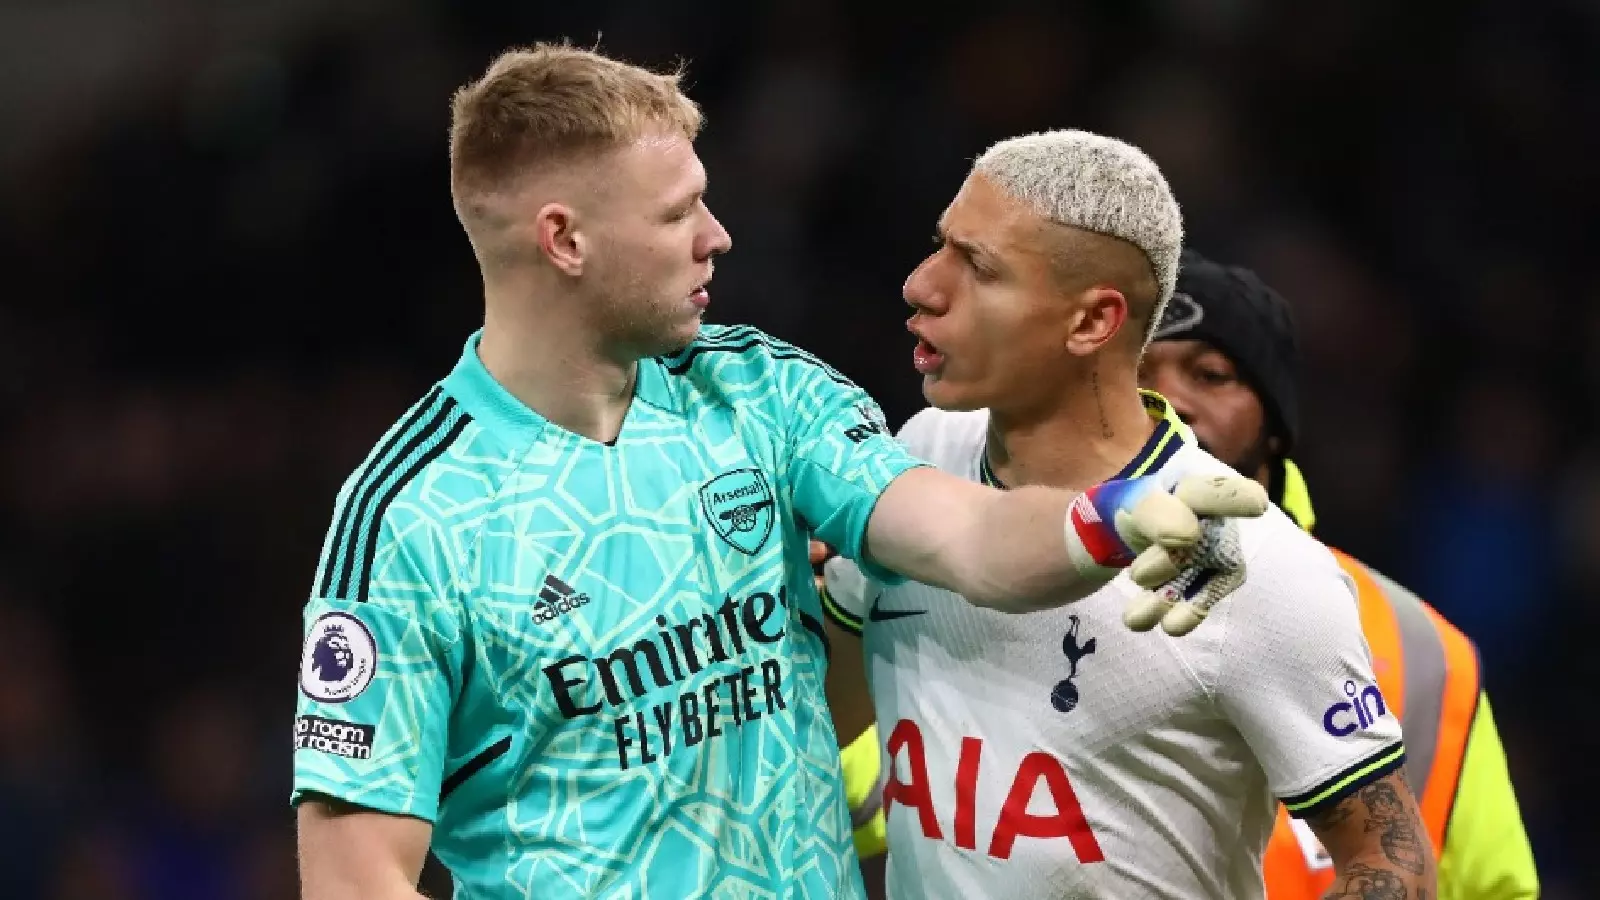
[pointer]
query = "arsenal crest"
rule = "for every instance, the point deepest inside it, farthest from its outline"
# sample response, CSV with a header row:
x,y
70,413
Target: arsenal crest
x,y
739,505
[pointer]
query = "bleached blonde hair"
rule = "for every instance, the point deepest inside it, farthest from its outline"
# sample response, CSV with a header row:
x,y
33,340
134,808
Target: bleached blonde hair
x,y
1098,184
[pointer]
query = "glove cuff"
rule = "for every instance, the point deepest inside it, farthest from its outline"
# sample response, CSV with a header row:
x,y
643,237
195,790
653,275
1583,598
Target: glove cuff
x,y
1096,550
1092,535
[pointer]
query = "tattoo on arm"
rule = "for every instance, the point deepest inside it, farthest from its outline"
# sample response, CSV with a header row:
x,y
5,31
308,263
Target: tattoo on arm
x,y
1387,814
1336,816
1379,810
1363,882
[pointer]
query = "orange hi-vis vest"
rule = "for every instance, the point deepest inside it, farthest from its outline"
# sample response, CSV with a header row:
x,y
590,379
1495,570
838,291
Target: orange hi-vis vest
x,y
1428,672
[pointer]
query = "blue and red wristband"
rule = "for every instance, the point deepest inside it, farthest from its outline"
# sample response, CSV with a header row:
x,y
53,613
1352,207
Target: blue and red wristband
x,y
1094,516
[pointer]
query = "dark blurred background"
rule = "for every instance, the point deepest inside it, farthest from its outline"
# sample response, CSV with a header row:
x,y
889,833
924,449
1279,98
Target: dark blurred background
x,y
230,262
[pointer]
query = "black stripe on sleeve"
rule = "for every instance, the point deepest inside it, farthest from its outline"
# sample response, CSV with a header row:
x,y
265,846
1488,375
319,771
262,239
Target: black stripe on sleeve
x,y
682,362
351,552
341,531
472,766
376,523
1332,791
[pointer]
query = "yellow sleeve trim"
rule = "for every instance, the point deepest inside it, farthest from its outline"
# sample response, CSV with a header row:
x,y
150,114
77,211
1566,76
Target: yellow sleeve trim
x,y
1486,850
1347,782
840,616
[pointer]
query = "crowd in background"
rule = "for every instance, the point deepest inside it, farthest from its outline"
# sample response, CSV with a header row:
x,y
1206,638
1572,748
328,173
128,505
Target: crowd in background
x,y
230,262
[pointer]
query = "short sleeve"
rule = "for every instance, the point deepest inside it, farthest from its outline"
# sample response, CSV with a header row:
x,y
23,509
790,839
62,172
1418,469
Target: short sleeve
x,y
842,455
1294,675
379,670
847,593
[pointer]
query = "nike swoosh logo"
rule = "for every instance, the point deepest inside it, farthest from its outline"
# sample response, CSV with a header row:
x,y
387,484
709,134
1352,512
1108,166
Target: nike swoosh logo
x,y
878,614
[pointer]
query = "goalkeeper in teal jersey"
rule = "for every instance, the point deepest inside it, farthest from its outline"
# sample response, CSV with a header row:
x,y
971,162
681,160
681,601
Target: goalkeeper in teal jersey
x,y
564,629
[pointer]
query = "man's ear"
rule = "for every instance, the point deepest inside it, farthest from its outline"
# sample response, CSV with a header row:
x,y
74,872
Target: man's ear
x,y
560,239
1101,314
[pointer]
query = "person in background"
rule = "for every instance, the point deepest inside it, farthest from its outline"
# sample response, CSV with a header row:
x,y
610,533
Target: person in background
x,y
1225,355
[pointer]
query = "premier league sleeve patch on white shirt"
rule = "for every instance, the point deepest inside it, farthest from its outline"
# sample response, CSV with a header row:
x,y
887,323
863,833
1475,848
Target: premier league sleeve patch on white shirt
x,y
339,658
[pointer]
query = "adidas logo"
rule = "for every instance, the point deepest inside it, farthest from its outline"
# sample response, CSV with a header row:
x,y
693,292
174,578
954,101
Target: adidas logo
x,y
556,598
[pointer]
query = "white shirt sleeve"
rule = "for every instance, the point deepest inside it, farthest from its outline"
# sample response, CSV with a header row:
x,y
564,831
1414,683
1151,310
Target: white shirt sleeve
x,y
847,593
1294,675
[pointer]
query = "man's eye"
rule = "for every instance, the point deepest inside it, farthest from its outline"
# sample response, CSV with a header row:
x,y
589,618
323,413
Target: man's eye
x,y
979,270
684,212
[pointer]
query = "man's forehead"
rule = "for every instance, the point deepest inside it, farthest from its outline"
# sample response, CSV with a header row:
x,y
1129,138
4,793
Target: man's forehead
x,y
979,196
983,213
655,165
692,180
663,148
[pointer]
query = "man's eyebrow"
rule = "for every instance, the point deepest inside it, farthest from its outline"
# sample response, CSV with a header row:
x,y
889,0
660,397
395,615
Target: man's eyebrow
x,y
965,245
973,248
690,195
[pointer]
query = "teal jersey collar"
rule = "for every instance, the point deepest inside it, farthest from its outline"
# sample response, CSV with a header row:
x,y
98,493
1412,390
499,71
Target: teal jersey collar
x,y
495,408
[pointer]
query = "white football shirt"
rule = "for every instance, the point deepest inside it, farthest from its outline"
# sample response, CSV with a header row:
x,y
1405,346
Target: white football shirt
x,y
1059,754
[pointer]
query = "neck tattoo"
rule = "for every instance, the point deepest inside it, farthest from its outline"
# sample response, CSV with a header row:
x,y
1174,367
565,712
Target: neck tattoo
x,y
1099,402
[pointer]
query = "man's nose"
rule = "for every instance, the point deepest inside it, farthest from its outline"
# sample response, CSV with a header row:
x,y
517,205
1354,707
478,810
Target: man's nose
x,y
719,241
922,291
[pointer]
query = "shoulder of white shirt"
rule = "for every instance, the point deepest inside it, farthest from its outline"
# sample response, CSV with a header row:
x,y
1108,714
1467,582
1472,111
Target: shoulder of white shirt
x,y
1274,545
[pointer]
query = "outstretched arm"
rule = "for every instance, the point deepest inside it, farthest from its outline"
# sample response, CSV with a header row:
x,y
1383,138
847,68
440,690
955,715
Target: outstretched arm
x,y
1378,843
1033,548
1007,550
857,488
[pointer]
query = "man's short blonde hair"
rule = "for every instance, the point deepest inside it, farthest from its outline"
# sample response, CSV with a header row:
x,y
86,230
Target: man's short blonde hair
x,y
1096,184
555,102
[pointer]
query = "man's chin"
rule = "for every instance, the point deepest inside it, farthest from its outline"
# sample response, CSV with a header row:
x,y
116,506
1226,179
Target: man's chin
x,y
687,331
675,340
942,393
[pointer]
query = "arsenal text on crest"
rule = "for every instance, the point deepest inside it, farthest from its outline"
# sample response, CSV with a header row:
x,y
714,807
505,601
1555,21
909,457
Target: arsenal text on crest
x,y
739,505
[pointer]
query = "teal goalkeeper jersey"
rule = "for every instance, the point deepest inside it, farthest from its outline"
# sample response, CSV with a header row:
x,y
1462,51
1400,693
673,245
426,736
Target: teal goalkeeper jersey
x,y
598,669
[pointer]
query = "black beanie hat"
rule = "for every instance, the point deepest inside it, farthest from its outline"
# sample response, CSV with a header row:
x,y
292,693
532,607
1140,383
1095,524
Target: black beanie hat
x,y
1232,309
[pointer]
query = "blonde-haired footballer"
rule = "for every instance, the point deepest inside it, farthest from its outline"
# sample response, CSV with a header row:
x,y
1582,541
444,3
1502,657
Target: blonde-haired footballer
x,y
1058,754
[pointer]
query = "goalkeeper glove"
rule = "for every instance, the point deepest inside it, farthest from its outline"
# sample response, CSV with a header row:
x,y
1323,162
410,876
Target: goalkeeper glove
x,y
1180,545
